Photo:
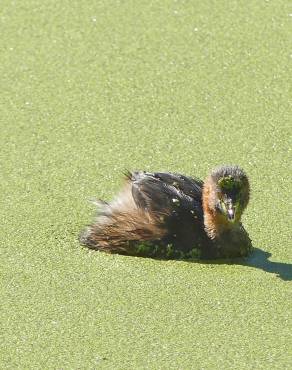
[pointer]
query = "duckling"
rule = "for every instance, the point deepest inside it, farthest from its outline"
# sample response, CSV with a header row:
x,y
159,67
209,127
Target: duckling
x,y
169,215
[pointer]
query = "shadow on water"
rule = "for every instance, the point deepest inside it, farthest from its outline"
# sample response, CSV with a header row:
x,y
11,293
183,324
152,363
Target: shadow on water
x,y
260,259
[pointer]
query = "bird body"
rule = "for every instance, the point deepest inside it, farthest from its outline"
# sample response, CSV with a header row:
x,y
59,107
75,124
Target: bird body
x,y
169,215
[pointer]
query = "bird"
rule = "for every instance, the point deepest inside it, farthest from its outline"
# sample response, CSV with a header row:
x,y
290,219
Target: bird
x,y
168,215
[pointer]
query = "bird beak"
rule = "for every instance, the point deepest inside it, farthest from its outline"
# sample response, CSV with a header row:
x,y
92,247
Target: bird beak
x,y
231,214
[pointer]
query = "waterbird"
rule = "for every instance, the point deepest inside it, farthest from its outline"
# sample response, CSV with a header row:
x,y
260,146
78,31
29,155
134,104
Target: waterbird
x,y
173,216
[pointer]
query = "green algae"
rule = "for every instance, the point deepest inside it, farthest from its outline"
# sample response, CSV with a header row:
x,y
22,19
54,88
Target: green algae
x,y
194,253
91,88
229,183
167,251
152,249
144,248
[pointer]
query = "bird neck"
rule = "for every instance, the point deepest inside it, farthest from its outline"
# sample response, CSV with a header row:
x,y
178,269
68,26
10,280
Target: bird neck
x,y
215,223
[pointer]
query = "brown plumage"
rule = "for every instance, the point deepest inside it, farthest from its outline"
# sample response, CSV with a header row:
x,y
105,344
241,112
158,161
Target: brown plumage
x,y
170,215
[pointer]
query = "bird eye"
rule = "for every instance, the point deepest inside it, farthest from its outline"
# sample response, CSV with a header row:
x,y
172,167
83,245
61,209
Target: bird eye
x,y
220,206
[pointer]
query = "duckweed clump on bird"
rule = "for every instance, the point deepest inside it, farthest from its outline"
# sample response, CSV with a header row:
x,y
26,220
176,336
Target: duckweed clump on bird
x,y
165,251
229,183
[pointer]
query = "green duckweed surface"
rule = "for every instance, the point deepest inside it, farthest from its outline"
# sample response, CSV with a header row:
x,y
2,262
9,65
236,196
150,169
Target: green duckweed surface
x,y
91,88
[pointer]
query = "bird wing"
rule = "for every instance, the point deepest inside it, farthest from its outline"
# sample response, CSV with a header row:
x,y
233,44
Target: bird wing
x,y
185,184
165,192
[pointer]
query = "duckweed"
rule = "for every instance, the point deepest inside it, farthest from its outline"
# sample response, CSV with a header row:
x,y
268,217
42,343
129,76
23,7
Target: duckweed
x,y
157,85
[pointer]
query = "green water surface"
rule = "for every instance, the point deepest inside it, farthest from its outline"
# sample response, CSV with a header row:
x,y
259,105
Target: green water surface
x,y
91,88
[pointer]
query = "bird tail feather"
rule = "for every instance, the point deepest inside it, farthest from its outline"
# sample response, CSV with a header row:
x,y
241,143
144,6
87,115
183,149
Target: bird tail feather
x,y
117,232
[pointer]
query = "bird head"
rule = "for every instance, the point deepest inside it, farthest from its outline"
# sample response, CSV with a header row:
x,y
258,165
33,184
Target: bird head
x,y
228,193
